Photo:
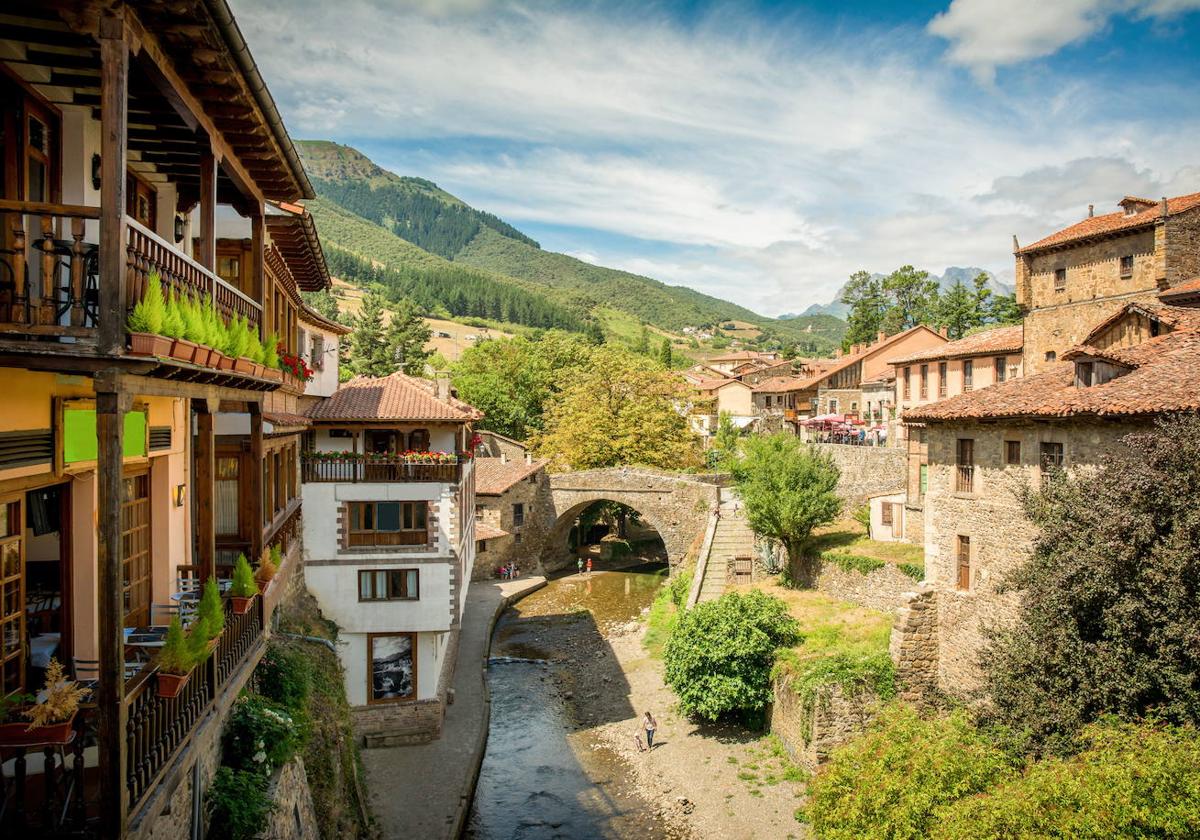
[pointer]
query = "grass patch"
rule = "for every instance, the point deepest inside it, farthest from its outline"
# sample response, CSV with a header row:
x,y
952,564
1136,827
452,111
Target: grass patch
x,y
665,611
846,544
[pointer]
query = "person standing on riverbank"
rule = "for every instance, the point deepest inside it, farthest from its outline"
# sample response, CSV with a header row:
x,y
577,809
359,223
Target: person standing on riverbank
x,y
579,565
589,566
650,725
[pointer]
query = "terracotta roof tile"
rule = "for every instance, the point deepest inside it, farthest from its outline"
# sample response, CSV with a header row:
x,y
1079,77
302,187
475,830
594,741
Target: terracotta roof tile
x,y
487,532
1165,377
781,384
1187,289
740,356
286,419
492,477
395,397
1113,223
1179,317
998,340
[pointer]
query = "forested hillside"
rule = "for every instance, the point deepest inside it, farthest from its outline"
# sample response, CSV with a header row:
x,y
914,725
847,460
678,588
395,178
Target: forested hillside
x,y
462,258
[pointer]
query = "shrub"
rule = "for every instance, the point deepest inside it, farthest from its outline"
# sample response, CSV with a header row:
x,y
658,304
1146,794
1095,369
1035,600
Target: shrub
x,y
259,736
172,325
1129,781
912,570
271,351
862,516
148,313
848,562
214,327
194,327
890,781
244,584
176,655
210,614
238,805
718,660
285,676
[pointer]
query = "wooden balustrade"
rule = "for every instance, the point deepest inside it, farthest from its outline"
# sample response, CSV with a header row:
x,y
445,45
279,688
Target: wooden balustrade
x,y
48,274
56,804
351,468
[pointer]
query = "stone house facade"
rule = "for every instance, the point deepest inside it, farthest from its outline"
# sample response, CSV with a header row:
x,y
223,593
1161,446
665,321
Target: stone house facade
x,y
840,386
513,510
1076,277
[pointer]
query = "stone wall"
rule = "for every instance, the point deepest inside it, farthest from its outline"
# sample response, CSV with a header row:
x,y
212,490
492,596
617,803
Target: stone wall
x,y
526,549
914,646
834,719
867,471
397,724
294,817
882,589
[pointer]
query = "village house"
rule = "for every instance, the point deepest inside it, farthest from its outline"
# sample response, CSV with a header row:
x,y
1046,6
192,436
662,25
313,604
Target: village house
x,y
139,140
839,386
389,540
1072,279
512,505
727,362
983,446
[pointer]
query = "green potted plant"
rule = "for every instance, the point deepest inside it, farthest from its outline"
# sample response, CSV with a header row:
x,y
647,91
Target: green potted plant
x,y
244,586
145,322
271,357
268,567
220,335
213,332
176,659
50,721
174,328
240,345
194,328
210,619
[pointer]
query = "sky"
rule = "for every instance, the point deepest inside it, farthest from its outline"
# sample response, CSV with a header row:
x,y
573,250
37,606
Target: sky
x,y
756,151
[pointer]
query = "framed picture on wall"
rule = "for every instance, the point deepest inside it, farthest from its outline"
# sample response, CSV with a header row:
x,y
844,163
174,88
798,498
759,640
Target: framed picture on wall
x,y
392,662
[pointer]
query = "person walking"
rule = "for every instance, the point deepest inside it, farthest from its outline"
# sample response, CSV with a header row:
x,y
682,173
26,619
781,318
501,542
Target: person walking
x,y
579,565
589,567
650,725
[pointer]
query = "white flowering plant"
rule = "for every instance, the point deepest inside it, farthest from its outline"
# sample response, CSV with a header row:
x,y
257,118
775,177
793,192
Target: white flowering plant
x,y
260,736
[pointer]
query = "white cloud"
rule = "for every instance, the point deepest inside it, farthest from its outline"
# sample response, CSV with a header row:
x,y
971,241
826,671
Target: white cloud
x,y
766,166
986,34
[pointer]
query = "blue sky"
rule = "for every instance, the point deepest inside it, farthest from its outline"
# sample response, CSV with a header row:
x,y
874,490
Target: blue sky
x,y
760,152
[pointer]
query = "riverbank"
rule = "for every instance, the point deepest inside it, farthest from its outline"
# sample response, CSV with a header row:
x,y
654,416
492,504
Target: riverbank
x,y
424,790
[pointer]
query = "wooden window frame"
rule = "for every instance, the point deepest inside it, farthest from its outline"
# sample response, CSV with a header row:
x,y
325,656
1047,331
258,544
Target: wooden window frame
x,y
964,460
968,375
1000,364
1012,453
1050,457
17,654
1060,279
389,595
358,535
963,563
885,513
518,514
1126,265
128,583
371,699
907,383
942,386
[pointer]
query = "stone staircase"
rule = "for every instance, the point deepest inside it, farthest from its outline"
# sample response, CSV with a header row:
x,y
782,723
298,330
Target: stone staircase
x,y
732,538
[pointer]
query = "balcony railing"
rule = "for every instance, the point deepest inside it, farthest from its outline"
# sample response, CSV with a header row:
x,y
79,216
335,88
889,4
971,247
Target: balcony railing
x,y
56,801
964,478
50,276
352,468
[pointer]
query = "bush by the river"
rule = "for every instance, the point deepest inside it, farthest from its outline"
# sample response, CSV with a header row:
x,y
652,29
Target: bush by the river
x,y
719,657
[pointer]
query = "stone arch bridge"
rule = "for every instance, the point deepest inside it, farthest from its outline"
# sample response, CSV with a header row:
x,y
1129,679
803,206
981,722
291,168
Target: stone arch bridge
x,y
677,505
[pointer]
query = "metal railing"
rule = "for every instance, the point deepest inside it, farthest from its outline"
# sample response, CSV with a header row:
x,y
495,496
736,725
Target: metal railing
x,y
341,468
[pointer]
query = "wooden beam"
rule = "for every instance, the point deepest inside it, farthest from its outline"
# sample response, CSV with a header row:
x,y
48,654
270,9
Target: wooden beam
x,y
255,482
114,85
205,490
207,255
257,274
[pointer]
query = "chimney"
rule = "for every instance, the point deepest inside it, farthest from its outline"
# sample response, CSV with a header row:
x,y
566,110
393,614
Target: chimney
x,y
1016,244
1091,210
881,336
503,457
944,332
528,457
837,353
441,387
1162,207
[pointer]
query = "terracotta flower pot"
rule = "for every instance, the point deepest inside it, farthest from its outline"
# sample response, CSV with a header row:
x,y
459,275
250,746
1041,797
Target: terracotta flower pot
x,y
183,350
149,344
274,374
225,362
241,605
20,735
243,365
169,685
202,355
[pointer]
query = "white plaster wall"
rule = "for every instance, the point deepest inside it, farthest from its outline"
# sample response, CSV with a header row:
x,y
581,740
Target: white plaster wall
x,y
321,503
325,381
879,531
336,590
353,652
441,438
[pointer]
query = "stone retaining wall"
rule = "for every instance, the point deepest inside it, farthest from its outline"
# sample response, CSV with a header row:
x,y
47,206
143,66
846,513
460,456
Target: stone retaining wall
x,y
867,471
294,817
883,589
914,646
398,724
834,720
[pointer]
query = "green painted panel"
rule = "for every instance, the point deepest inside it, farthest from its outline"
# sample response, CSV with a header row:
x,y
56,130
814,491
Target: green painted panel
x,y
79,435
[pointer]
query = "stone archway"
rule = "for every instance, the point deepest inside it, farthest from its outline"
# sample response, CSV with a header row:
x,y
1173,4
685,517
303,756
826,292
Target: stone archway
x,y
677,506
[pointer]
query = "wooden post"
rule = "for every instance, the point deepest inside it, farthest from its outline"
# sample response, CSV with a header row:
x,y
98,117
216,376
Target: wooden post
x,y
257,245
110,693
114,117
207,256
254,485
77,249
206,476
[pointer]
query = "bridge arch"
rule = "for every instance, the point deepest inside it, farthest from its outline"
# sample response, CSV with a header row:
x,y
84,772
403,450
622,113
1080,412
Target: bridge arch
x,y
677,506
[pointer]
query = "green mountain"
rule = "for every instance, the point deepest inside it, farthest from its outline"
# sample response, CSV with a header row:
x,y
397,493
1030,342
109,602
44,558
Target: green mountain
x,y
390,223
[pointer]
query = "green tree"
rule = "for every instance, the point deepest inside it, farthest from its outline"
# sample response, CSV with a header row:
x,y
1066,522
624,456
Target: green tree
x,y
619,408
1110,597
322,302
643,343
961,309
664,353
718,660
788,488
914,299
1003,309
725,443
407,334
367,342
869,305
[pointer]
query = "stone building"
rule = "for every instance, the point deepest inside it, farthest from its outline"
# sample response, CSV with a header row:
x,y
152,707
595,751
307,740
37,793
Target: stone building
x,y
840,385
513,509
984,446
1074,278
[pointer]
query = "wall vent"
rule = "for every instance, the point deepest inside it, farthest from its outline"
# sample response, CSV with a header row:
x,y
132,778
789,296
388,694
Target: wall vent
x,y
18,449
160,437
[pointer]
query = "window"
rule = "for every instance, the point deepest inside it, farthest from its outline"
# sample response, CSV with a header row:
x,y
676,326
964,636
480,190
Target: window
x,y
768,400
517,537
229,269
964,562
388,585
518,515
924,382
418,440
1051,355
968,374
885,517
12,603
941,379
391,666
833,406
135,550
301,342
1012,452
480,546
1127,266
1001,368
388,523
908,383
923,480
1060,279
318,352
1052,456
1084,372
965,472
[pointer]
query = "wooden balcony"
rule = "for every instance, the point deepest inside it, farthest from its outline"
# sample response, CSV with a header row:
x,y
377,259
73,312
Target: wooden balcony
x,y
365,469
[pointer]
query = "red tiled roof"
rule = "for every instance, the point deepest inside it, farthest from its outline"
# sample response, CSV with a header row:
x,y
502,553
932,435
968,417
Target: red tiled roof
x,y
285,418
781,384
998,340
1187,289
740,356
1178,317
493,477
311,316
716,384
1165,376
1111,223
845,361
487,532
395,397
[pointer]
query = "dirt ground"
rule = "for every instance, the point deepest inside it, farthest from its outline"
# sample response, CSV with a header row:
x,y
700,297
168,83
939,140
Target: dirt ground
x,y
717,782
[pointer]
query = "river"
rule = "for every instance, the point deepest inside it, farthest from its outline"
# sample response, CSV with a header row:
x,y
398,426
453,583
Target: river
x,y
543,775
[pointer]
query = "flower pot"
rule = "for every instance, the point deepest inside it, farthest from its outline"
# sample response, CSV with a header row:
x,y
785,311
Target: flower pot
x,y
243,365
169,685
225,362
241,605
202,355
149,344
20,735
183,350
274,374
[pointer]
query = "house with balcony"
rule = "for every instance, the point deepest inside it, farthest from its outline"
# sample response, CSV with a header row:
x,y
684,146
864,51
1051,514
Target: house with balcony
x,y
140,146
389,541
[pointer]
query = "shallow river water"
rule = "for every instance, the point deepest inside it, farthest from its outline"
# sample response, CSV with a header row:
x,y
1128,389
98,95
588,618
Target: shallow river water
x,y
543,775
